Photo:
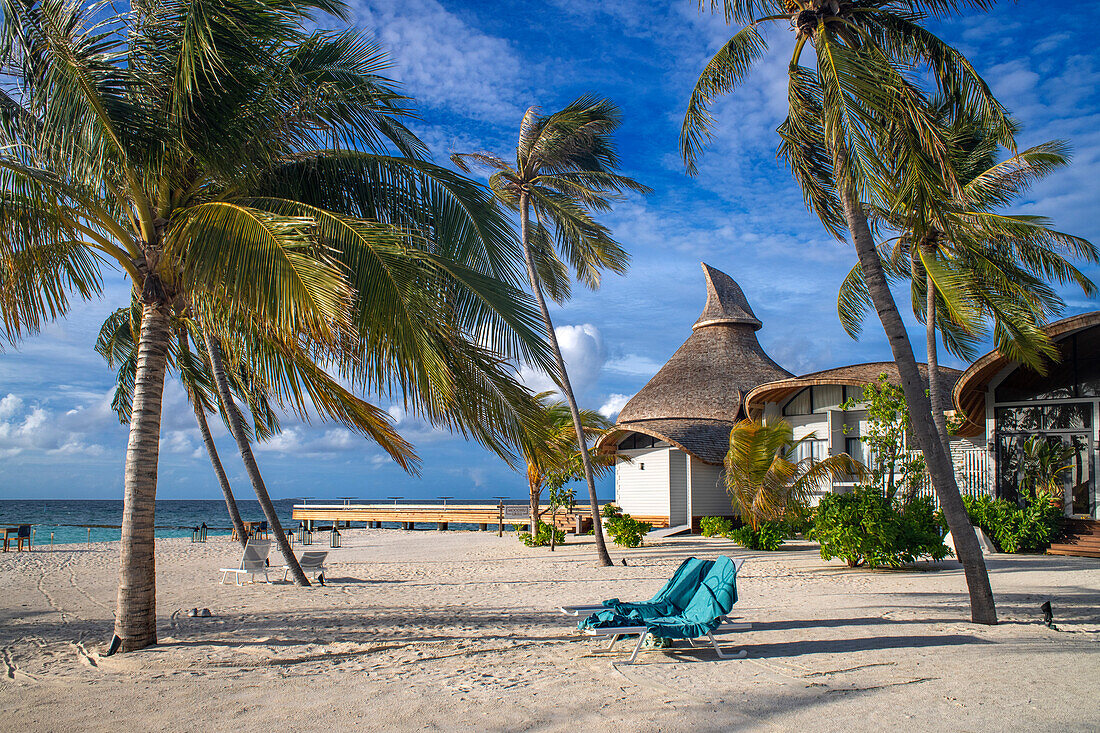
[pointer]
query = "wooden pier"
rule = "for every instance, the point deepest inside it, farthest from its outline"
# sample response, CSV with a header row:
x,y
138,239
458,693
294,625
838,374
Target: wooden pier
x,y
408,516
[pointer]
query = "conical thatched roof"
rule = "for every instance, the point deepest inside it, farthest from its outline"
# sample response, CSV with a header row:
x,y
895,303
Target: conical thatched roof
x,y
696,397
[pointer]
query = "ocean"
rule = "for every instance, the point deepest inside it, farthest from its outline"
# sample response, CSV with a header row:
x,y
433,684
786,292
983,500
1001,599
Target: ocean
x,y
174,518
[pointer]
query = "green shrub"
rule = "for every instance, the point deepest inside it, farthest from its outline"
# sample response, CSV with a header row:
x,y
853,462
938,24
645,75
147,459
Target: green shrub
x,y
715,526
768,536
542,536
863,526
1028,529
798,519
624,530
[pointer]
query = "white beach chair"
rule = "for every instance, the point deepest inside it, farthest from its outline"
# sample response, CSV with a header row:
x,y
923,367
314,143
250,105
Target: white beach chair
x,y
253,561
310,562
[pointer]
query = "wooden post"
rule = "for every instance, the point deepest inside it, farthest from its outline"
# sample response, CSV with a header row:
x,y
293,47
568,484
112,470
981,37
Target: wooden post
x,y
482,527
441,526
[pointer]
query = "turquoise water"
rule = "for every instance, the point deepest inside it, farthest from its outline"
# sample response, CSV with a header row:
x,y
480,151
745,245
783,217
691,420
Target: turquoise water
x,y
53,515
174,518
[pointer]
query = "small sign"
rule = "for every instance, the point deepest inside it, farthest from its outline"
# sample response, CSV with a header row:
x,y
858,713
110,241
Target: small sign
x,y
517,511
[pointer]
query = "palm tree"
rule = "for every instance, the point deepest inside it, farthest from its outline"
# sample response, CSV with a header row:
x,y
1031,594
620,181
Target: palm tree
x,y
550,447
970,264
117,344
254,176
858,88
764,474
564,168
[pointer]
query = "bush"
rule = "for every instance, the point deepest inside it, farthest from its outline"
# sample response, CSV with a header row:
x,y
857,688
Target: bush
x,y
798,519
863,526
542,536
624,530
1015,529
715,526
768,536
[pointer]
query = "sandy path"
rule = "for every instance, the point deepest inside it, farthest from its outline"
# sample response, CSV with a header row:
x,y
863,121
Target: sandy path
x,y
457,630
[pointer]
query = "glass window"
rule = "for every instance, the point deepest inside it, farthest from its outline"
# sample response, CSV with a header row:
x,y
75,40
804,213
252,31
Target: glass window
x,y
827,396
800,404
816,449
1076,375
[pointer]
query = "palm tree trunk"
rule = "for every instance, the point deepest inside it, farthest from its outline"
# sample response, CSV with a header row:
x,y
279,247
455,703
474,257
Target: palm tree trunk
x,y
236,427
935,385
534,486
212,452
566,387
136,616
982,608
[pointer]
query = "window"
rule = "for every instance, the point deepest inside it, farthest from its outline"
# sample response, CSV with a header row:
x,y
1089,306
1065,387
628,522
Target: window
x,y
816,449
636,441
854,447
1076,375
828,396
800,404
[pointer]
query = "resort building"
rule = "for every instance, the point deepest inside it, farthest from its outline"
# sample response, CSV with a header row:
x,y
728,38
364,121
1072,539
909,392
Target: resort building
x,y
676,429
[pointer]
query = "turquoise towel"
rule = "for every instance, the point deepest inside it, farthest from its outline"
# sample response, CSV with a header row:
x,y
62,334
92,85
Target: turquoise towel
x,y
672,598
712,598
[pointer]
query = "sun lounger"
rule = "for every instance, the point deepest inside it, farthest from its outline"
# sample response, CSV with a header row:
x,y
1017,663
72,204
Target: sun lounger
x,y
253,561
703,615
673,597
310,562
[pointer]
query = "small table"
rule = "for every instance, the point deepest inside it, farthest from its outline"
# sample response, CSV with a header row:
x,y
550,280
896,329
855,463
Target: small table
x,y
250,529
13,533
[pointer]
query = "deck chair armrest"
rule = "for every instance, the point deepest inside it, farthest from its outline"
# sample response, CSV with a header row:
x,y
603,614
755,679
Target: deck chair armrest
x,y
578,610
616,630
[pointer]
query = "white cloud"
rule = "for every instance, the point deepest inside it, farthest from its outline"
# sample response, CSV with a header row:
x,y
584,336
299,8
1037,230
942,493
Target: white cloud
x,y
10,405
582,348
39,430
444,62
615,403
634,365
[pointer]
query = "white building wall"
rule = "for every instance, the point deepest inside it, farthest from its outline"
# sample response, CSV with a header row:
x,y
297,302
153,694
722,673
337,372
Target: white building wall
x,y
678,487
708,491
642,485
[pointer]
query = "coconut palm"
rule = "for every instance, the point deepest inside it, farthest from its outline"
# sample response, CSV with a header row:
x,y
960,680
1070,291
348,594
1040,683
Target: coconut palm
x,y
254,176
970,264
764,474
858,88
564,169
550,447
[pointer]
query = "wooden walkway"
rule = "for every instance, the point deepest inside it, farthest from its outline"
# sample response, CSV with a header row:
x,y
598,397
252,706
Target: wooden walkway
x,y
409,515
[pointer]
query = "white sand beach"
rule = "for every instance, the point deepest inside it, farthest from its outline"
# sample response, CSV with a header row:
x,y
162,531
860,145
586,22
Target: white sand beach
x,y
459,630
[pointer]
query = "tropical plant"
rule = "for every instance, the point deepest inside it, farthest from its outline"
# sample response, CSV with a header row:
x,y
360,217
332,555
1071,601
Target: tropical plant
x,y
1027,528
860,90
764,474
715,526
893,467
549,447
546,534
970,264
252,175
625,530
564,169
864,526
561,497
766,536
1043,461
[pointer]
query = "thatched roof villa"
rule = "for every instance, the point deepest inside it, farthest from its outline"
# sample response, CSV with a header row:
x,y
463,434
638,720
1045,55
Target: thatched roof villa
x,y
676,428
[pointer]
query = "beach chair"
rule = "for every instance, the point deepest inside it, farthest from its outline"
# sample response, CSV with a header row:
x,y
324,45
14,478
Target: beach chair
x,y
703,616
310,562
253,561
261,531
670,600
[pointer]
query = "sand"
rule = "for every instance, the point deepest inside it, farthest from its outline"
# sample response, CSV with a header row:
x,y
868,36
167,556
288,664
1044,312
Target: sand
x,y
459,630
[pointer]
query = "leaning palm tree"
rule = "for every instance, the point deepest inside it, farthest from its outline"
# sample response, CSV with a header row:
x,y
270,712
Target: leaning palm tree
x,y
564,168
858,87
550,446
254,176
970,264
764,475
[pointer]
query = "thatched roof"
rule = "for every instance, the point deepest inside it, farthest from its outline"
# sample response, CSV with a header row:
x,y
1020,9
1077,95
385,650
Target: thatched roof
x,y
970,390
696,397
855,375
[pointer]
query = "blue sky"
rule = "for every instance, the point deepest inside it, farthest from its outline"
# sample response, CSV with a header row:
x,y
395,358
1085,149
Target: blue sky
x,y
473,69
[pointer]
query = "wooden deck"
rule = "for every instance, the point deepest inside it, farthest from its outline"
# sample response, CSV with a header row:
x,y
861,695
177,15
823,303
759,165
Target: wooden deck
x,y
1082,539
409,515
